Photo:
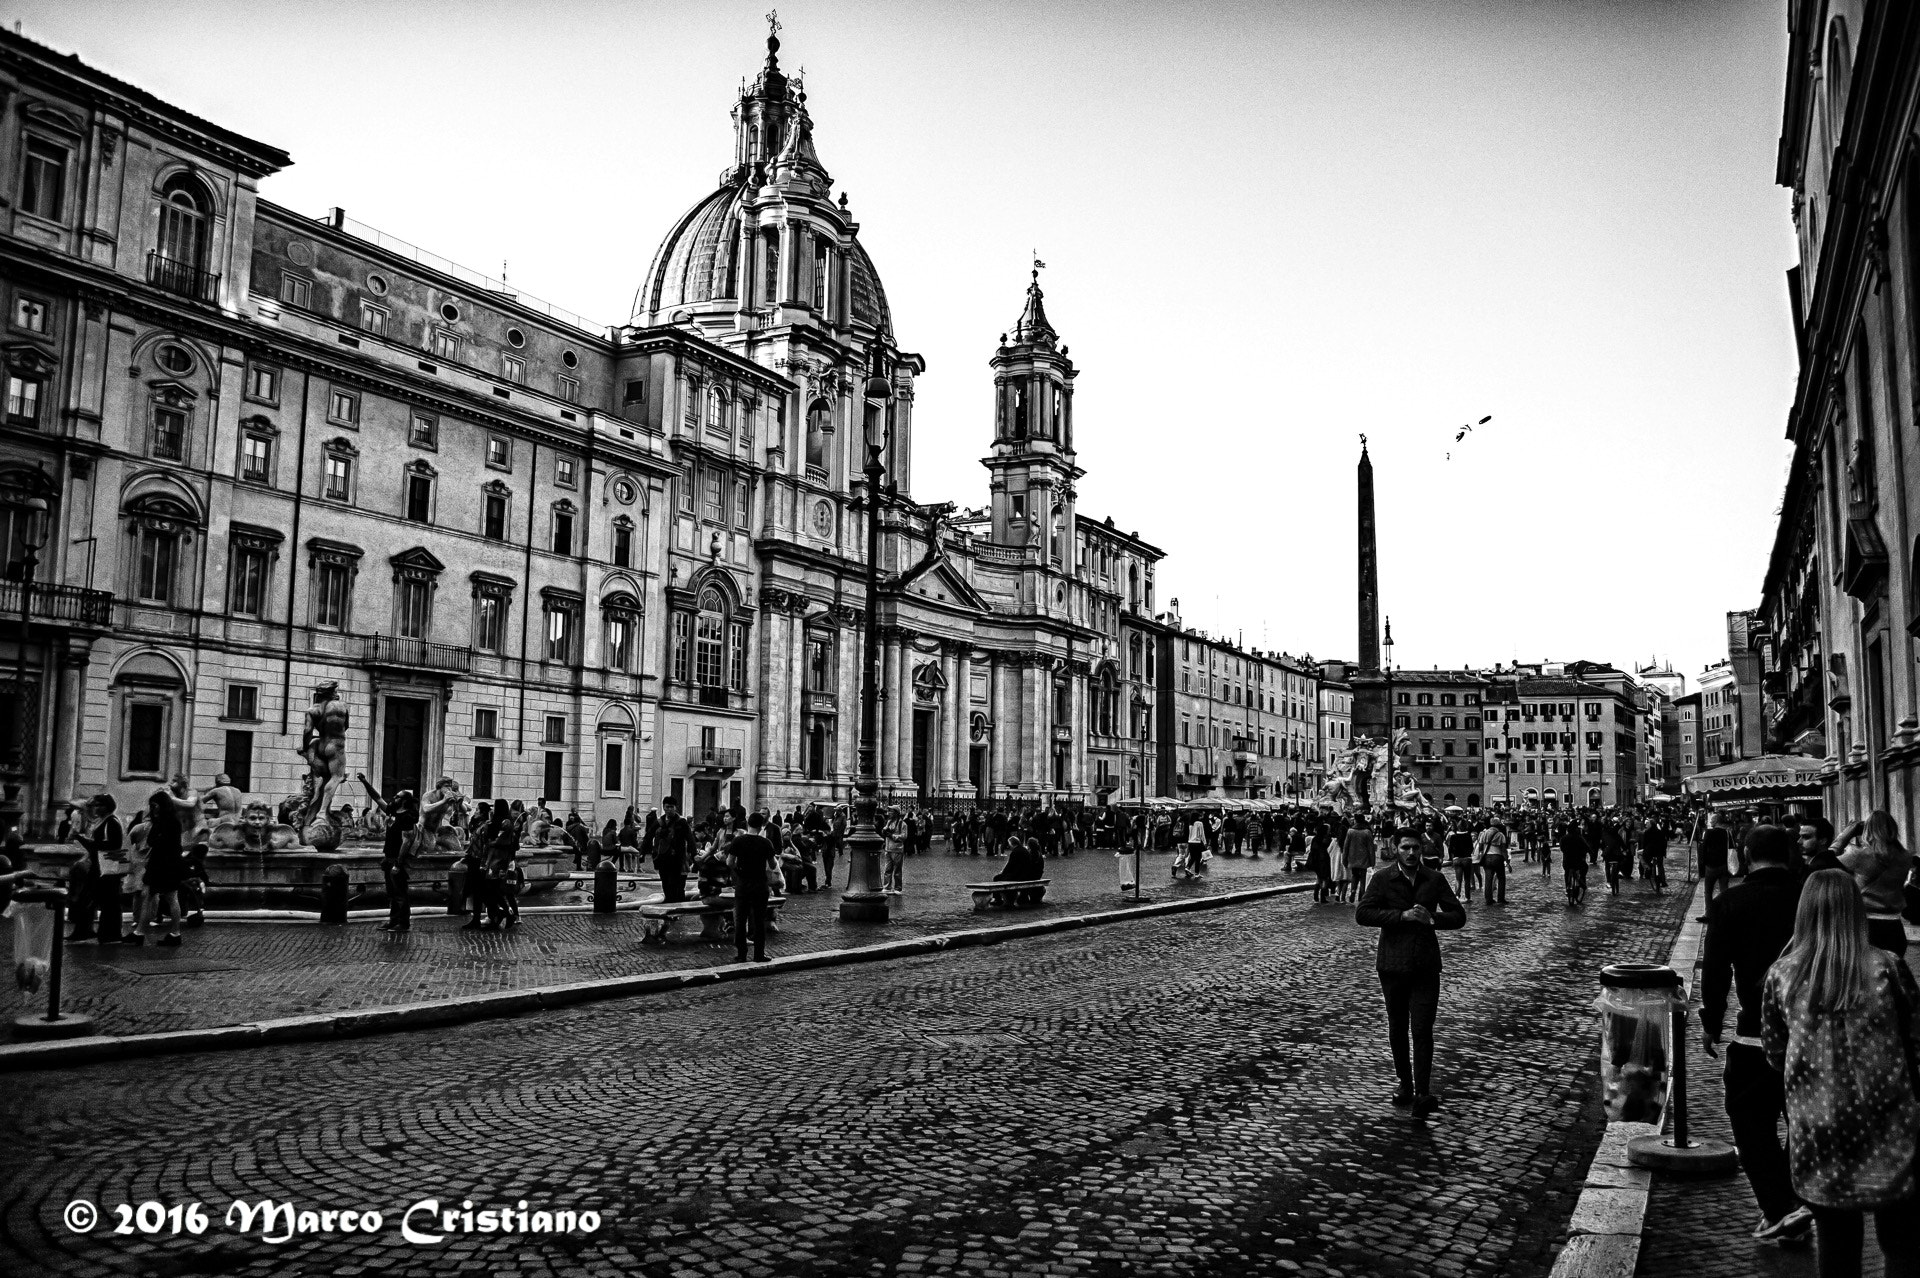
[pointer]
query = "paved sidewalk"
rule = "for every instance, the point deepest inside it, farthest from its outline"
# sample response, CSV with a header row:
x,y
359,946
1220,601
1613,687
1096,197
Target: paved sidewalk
x,y
1700,1227
230,973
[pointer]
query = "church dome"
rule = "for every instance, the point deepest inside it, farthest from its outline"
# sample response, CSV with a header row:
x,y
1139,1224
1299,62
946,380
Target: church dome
x,y
695,264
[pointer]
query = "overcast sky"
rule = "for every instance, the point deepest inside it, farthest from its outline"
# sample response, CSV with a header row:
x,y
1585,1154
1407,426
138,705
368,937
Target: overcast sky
x,y
1268,228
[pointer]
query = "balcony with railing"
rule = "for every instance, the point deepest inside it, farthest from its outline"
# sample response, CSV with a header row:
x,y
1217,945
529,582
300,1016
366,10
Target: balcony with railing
x,y
66,605
181,277
415,654
713,758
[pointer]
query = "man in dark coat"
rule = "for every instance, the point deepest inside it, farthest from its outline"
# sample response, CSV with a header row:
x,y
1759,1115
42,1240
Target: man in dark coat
x,y
674,853
752,855
1407,901
1747,929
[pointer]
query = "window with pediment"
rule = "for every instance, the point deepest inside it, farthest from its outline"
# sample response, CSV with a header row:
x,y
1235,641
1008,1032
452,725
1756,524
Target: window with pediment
x,y
416,577
332,567
622,613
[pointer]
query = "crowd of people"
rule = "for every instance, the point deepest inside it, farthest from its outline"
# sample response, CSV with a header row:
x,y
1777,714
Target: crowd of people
x,y
1827,1036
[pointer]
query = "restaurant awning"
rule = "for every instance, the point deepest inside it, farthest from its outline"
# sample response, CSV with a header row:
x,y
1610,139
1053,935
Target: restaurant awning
x,y
1776,774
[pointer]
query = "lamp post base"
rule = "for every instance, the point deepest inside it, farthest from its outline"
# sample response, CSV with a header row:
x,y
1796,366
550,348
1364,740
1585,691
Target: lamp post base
x,y
863,907
1700,1157
68,1026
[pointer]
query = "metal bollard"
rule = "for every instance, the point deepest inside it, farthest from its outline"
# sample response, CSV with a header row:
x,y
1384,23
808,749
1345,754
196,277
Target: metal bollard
x,y
53,1024
606,887
333,895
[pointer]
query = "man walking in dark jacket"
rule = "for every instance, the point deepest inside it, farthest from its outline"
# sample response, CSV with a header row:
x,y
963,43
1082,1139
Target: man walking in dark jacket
x,y
1747,928
673,853
1407,902
753,857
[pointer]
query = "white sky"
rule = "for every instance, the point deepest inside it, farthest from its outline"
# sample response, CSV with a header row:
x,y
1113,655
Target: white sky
x,y
1268,227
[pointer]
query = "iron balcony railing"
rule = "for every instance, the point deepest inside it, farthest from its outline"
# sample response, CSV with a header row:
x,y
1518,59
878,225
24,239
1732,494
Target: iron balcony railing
x,y
73,605
181,278
418,654
712,757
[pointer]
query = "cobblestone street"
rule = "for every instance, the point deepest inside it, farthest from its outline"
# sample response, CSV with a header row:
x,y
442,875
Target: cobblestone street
x,y
228,972
1197,1094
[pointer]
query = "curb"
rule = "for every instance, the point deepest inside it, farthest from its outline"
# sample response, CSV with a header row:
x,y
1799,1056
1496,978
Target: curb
x,y
476,1007
1611,1212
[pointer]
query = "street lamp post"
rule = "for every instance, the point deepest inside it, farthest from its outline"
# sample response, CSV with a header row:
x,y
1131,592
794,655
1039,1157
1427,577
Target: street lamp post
x,y
1392,715
33,536
868,903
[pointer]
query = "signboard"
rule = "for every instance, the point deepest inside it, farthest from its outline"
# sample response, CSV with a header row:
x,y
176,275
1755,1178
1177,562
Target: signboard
x,y
1770,780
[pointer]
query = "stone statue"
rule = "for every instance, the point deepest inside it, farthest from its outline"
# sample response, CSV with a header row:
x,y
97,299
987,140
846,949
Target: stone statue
x,y
323,744
254,832
187,806
443,803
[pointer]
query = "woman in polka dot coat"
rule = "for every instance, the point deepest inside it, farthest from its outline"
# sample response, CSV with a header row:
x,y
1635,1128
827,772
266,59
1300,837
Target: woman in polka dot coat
x,y
1840,1020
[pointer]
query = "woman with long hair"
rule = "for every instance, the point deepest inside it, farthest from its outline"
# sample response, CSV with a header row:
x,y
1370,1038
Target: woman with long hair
x,y
1838,1020
1880,868
166,867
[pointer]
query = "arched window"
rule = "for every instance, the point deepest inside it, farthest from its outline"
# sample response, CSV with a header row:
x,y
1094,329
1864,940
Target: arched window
x,y
183,223
717,412
1019,411
710,639
160,527
622,614
817,432
1057,420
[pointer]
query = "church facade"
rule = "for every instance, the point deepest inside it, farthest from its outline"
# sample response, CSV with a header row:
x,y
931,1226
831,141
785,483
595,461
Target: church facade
x,y
603,565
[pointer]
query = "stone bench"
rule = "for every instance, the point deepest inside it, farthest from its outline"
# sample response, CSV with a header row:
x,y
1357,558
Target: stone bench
x,y
660,918
1008,896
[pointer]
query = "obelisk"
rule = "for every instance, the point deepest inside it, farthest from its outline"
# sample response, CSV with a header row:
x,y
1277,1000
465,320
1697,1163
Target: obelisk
x,y
1371,714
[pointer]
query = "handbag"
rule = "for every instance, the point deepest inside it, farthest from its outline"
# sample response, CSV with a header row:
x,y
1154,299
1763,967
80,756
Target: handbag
x,y
1911,890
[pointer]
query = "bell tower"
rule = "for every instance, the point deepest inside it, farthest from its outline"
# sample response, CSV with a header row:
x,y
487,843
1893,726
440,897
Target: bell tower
x,y
1032,464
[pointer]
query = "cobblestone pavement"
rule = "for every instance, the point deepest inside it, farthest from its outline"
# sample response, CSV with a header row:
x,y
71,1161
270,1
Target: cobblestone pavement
x,y
1196,1094
231,972
1701,1226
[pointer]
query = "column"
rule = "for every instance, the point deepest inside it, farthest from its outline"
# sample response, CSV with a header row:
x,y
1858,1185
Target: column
x,y
67,728
889,690
1033,736
960,702
851,639
903,716
796,712
773,706
996,720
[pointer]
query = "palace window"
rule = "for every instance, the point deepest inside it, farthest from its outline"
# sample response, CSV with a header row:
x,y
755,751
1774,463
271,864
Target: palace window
x,y
514,369
446,345
563,471
822,266
296,290
373,319
499,452
420,499
709,637
563,529
492,597
819,663
30,313
569,391
23,401
343,407
183,224
339,478
493,518
622,544
424,432
622,614
250,562
563,627
169,432
263,383
43,181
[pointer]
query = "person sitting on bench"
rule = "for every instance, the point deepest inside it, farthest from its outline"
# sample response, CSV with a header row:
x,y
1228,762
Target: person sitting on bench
x,y
1024,863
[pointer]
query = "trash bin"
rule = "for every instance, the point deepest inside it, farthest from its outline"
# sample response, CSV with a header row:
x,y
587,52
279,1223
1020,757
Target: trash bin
x,y
1636,1038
